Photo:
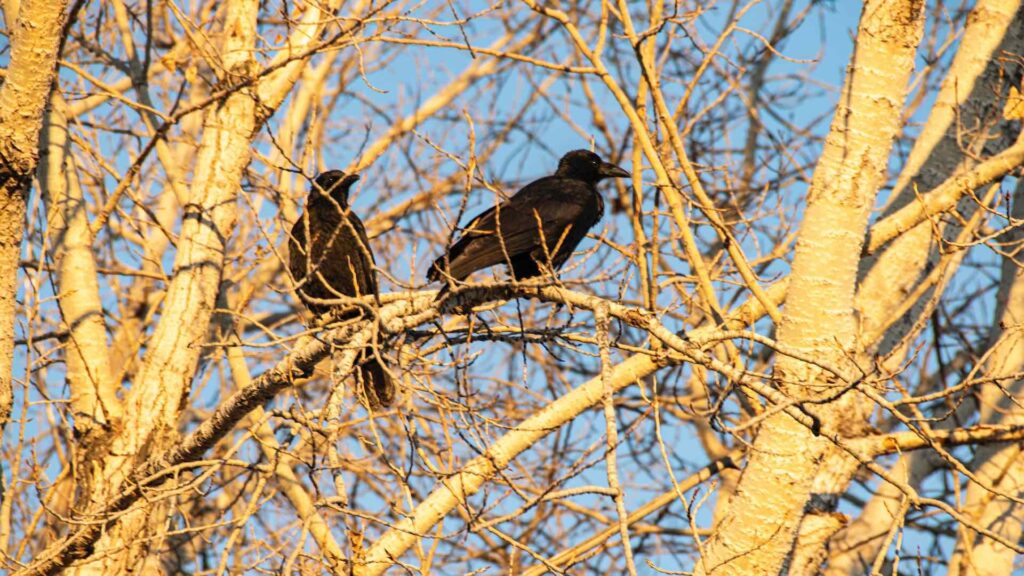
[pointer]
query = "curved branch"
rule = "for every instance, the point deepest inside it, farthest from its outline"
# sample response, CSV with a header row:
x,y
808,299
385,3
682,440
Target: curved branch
x,y
945,197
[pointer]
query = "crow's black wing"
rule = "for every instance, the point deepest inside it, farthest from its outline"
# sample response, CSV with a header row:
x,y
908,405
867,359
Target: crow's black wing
x,y
333,260
514,228
362,256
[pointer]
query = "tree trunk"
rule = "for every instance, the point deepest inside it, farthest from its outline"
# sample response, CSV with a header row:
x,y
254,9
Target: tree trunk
x,y
965,115
757,532
35,41
153,404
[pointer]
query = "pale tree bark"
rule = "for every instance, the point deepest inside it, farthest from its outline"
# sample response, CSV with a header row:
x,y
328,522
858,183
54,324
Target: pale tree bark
x,y
34,32
406,313
10,8
161,387
35,40
153,404
127,338
964,121
960,124
93,388
142,296
946,196
757,532
1000,465
95,407
175,178
261,480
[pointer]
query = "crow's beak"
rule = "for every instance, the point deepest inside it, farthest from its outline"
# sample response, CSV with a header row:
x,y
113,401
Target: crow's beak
x,y
609,170
350,179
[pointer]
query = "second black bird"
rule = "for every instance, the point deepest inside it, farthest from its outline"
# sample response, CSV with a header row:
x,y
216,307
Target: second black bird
x,y
537,228
329,258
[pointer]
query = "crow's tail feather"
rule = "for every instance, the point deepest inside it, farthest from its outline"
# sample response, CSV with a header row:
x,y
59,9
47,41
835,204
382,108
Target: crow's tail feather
x,y
436,272
375,381
442,293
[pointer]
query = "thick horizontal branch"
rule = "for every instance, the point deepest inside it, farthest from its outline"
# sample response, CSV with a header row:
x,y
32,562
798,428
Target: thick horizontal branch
x,y
874,446
944,197
453,490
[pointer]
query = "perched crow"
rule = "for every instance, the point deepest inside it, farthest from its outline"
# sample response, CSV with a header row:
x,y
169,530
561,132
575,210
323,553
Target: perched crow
x,y
537,228
329,257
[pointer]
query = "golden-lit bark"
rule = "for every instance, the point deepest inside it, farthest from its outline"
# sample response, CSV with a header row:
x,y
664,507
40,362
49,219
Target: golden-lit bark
x,y
162,384
34,38
93,387
961,123
470,478
757,532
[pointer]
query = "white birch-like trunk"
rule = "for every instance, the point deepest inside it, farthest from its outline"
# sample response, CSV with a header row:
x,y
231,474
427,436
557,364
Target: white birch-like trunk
x,y
94,399
757,532
162,384
966,98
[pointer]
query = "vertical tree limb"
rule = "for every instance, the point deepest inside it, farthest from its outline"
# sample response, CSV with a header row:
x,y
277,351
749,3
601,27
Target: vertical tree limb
x,y
94,399
162,384
757,532
958,126
35,41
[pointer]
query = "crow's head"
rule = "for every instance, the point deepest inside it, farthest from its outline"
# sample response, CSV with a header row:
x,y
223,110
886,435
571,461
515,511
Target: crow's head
x,y
333,183
587,166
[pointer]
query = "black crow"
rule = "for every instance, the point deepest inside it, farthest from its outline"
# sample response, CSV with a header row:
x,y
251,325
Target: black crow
x,y
537,228
329,258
